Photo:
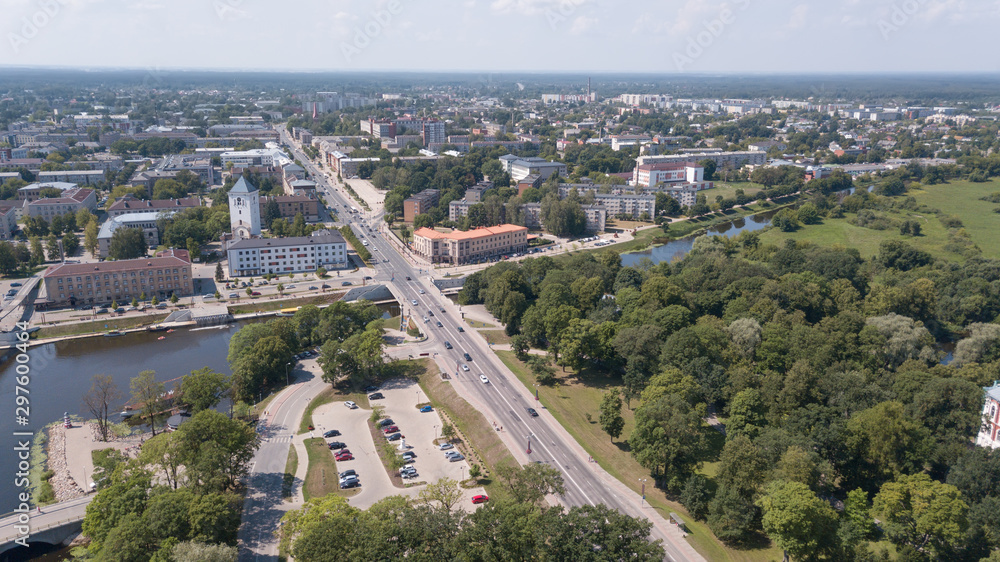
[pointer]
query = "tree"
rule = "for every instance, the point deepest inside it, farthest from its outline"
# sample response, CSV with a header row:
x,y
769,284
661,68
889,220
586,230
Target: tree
x,y
215,451
926,514
202,389
696,496
90,237
70,243
192,551
100,400
193,248
37,253
148,395
359,357
127,244
219,275
52,248
445,492
669,439
888,440
8,259
531,483
611,418
164,452
321,272
447,431
520,345
584,531
174,298
800,523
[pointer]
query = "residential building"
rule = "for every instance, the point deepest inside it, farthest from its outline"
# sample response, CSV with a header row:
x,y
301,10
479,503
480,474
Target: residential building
x,y
460,247
146,222
347,167
597,216
8,220
989,430
32,192
71,201
632,205
31,164
380,129
459,209
299,254
647,175
129,205
734,160
432,131
291,205
149,178
520,168
306,188
120,281
255,157
420,203
569,98
196,164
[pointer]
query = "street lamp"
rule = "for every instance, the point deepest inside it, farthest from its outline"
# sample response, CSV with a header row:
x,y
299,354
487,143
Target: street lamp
x,y
643,500
286,373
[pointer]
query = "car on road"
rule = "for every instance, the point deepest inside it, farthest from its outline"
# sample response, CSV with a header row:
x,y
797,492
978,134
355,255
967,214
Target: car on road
x,y
422,292
348,472
445,446
376,396
368,278
413,302
344,457
443,310
461,329
337,445
483,379
234,295
447,345
346,284
467,356
430,313
313,288
390,429
426,319
16,284
439,324
386,422
394,437
350,404
532,412
98,311
408,278
331,433
325,286
465,368
480,498
426,409
255,293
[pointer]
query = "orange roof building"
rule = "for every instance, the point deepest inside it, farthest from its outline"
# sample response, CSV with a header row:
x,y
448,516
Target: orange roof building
x,y
480,244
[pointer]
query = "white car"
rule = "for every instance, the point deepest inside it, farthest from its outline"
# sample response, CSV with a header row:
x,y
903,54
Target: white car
x,y
350,404
484,379
445,446
465,368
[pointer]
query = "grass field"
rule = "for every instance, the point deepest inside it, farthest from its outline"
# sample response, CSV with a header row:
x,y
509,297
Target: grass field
x,y
478,324
572,400
117,323
288,479
495,337
957,198
322,477
258,305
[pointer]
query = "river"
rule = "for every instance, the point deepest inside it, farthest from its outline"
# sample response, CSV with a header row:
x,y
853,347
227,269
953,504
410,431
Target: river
x,y
676,249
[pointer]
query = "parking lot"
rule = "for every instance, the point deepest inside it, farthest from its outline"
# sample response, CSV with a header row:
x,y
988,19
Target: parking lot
x,y
419,430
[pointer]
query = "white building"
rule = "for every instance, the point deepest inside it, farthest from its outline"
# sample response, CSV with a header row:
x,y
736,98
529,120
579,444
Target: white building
x,y
255,157
989,431
299,254
244,209
144,221
520,168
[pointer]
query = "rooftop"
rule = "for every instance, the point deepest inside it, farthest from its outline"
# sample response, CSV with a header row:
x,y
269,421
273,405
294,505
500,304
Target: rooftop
x,y
167,258
470,234
319,237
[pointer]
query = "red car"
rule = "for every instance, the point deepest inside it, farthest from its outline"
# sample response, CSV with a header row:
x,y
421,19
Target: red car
x,y
255,294
481,498
390,429
344,456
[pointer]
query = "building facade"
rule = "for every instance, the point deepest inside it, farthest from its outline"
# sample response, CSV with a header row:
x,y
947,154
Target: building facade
x,y
169,273
420,204
291,205
472,246
8,220
128,205
734,160
71,201
299,254
244,209
146,222
989,431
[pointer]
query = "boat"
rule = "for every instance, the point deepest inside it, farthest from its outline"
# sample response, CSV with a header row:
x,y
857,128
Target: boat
x,y
170,331
156,328
112,333
162,338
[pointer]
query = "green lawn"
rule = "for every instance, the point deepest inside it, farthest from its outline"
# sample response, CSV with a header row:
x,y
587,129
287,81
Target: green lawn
x,y
728,190
578,395
478,324
957,198
495,337
288,479
322,477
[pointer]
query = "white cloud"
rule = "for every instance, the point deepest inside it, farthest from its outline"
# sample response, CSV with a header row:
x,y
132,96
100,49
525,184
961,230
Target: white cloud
x,y
799,17
582,24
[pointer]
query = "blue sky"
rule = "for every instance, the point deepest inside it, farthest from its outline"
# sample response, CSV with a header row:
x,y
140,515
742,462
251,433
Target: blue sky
x,y
663,36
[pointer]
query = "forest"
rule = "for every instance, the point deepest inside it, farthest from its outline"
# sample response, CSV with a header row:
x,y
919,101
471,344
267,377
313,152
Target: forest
x,y
829,372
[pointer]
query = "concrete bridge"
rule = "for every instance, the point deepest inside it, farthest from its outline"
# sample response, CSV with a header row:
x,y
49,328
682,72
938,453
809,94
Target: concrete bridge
x,y
58,523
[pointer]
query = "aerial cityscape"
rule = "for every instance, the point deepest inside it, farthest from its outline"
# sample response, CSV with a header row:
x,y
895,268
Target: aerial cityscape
x,y
515,280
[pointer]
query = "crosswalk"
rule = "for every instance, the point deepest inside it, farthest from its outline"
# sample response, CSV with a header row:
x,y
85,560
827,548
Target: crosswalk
x,y
278,439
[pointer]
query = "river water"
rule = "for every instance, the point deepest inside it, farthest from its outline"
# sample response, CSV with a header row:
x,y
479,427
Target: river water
x,y
676,249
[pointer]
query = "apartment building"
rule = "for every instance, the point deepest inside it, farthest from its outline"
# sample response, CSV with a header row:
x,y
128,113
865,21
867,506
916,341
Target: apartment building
x,y
291,205
169,273
520,168
196,164
420,203
298,254
432,131
734,160
255,157
471,246
32,192
81,177
145,221
8,220
70,202
597,216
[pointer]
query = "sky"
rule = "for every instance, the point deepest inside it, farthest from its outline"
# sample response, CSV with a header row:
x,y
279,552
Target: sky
x,y
662,36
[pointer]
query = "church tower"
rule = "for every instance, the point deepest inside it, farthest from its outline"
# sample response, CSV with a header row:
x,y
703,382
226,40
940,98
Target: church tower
x,y
244,210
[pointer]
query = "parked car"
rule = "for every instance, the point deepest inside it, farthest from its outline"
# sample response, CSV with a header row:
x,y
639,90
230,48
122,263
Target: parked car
x,y
255,293
325,286
372,388
408,475
337,445
346,284
344,457
445,446
234,295
349,472
483,379
390,429
350,404
313,288
350,484
394,437
480,498
16,284
376,396
331,433
456,457
532,412
426,409
386,422
409,456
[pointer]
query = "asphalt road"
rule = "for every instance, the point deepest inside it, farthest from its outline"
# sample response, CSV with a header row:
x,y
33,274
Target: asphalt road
x,y
505,395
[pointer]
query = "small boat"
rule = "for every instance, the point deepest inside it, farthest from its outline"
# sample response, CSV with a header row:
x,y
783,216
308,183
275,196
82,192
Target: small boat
x,y
156,328
113,333
162,338
170,331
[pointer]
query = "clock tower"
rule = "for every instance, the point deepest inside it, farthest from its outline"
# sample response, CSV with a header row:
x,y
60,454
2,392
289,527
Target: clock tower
x,y
244,210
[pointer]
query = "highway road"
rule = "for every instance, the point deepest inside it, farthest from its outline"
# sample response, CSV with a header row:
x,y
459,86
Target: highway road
x,y
506,397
